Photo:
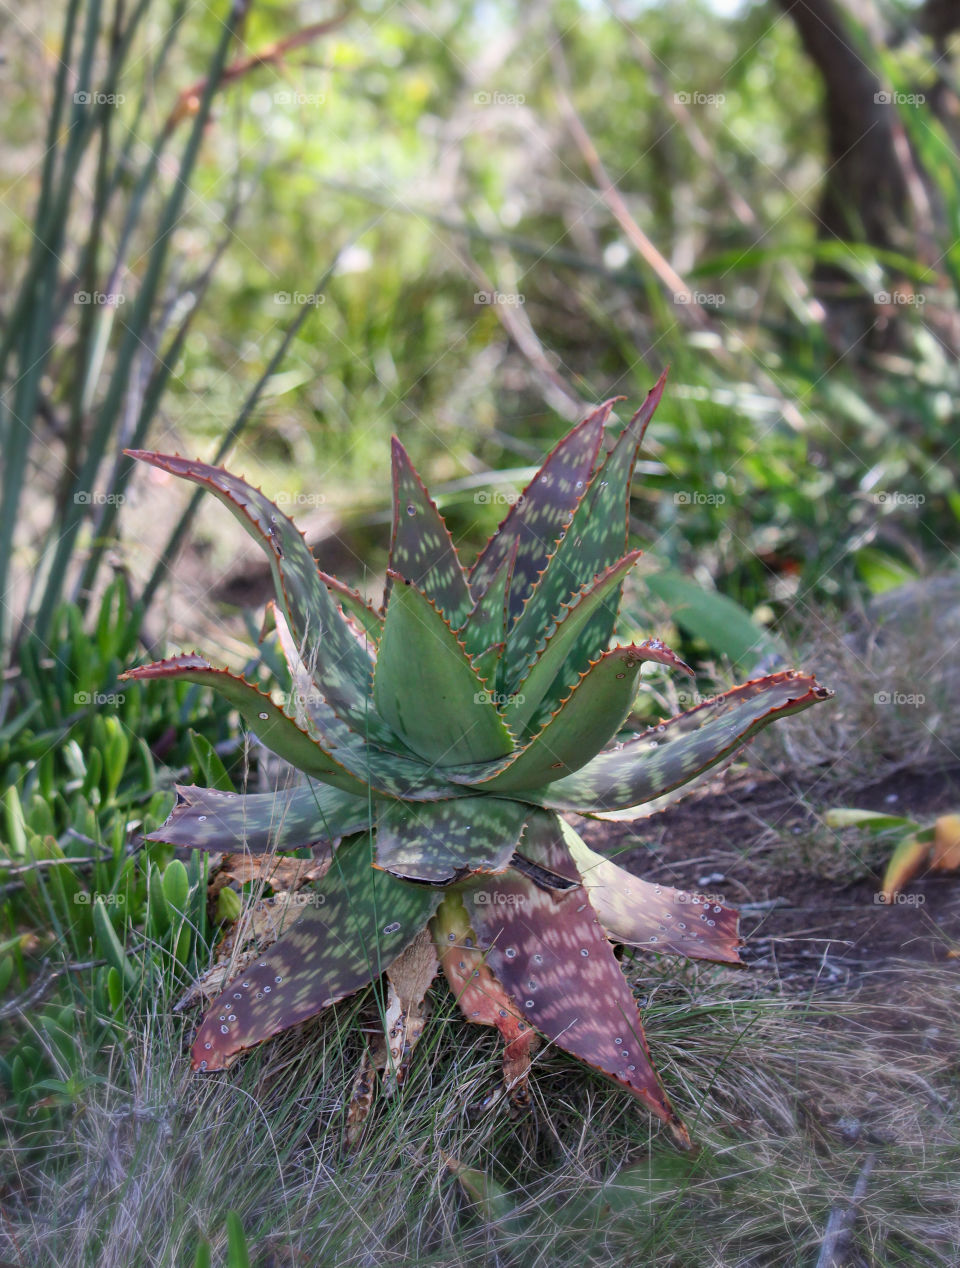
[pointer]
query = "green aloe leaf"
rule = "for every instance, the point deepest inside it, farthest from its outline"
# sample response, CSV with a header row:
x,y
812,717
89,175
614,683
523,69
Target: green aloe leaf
x,y
421,549
311,708
357,767
558,640
355,605
264,718
355,922
485,664
595,538
589,717
654,917
550,952
341,665
487,622
426,689
538,517
259,823
677,751
438,841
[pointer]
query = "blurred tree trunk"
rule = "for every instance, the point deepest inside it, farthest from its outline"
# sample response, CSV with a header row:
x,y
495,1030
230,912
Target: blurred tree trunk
x,y
865,195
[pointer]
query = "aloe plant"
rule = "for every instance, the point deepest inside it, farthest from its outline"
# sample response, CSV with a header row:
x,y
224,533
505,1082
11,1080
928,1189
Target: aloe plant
x,y
441,737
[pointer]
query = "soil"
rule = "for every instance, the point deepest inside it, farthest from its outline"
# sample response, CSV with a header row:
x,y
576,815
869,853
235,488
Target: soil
x,y
806,920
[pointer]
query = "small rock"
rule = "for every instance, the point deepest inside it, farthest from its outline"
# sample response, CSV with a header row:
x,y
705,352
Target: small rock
x,y
891,798
712,878
849,1128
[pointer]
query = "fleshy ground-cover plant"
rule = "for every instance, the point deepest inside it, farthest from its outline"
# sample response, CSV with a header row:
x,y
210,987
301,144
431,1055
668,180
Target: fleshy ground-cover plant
x,y
442,739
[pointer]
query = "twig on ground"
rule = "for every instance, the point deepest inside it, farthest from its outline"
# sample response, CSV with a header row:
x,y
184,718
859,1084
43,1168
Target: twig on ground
x,y
836,1239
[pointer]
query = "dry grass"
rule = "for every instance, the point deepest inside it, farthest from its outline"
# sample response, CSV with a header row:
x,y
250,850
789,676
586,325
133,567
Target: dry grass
x,y
896,674
787,1098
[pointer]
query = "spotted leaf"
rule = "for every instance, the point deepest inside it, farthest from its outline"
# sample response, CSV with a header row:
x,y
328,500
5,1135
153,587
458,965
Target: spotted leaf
x,y
595,538
356,767
539,684
584,722
357,921
440,840
343,668
259,823
538,517
265,719
487,623
421,549
550,953
654,917
675,752
544,844
355,606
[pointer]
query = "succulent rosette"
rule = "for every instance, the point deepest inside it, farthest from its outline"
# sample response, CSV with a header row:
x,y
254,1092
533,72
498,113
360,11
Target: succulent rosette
x,y
441,739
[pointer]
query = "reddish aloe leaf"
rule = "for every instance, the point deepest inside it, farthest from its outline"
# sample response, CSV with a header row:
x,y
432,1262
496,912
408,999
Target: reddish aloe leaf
x,y
259,823
421,549
544,843
591,715
595,538
357,921
675,752
549,951
655,917
481,997
341,666
436,841
540,515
